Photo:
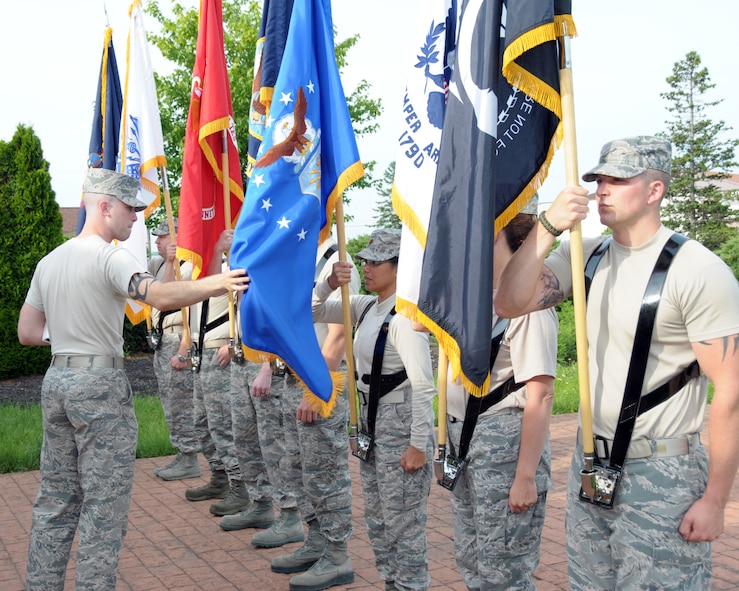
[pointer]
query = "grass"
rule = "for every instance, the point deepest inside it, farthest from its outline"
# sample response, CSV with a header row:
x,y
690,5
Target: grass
x,y
21,430
21,433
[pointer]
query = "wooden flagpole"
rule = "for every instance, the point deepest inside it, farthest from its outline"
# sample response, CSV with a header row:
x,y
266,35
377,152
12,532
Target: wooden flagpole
x,y
227,214
173,236
576,249
347,318
441,373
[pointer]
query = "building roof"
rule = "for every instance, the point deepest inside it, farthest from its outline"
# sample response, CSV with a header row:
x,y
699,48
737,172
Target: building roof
x,y
69,219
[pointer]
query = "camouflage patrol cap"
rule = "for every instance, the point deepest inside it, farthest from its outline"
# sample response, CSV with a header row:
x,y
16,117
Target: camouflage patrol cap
x,y
163,228
384,245
629,157
109,182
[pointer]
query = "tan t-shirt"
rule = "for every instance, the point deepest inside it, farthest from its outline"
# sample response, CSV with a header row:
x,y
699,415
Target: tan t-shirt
x,y
354,284
528,349
700,301
156,268
405,349
82,288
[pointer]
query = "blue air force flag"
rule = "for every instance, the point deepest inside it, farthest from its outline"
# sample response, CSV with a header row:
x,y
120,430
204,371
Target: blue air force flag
x,y
308,156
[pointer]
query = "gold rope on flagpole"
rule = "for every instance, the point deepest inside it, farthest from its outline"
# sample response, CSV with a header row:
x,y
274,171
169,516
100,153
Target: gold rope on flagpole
x,y
347,320
577,263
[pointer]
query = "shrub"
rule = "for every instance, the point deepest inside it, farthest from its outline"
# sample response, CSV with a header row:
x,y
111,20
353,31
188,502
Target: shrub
x,y
32,228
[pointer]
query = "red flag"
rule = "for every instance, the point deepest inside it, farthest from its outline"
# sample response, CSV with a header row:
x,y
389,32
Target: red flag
x,y
210,122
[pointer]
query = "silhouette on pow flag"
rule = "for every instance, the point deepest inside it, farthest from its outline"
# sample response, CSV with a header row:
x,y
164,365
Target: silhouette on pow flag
x,y
296,140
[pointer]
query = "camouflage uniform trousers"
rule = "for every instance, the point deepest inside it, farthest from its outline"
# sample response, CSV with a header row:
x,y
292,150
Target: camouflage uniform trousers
x,y
212,402
396,501
258,437
176,392
317,464
636,544
87,465
495,548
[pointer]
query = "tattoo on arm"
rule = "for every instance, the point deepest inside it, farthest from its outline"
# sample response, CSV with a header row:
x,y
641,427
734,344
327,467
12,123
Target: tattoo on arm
x,y
551,293
139,286
729,342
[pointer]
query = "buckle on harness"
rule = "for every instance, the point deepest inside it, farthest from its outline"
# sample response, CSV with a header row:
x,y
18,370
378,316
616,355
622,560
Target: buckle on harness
x,y
365,442
447,470
599,484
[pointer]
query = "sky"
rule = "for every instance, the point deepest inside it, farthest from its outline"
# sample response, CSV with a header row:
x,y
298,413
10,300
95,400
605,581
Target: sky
x,y
621,57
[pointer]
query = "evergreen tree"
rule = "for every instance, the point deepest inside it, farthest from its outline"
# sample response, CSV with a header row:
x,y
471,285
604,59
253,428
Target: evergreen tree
x,y
729,252
32,228
702,156
386,216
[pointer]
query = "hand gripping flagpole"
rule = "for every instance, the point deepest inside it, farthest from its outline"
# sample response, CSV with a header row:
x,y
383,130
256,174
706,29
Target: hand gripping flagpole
x,y
233,350
587,475
173,236
347,319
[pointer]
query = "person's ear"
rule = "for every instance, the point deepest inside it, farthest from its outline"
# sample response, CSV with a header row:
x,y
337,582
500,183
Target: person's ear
x,y
657,190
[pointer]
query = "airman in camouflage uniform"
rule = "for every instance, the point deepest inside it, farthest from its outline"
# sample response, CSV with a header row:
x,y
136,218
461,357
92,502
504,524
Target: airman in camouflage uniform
x,y
260,447
212,397
499,500
396,477
171,369
668,507
90,430
317,463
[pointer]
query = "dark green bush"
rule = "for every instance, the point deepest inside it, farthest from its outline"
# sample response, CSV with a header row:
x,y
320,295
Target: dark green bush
x,y
32,228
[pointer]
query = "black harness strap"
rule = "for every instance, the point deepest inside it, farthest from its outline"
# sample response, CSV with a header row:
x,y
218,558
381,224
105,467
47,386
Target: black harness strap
x,y
162,315
376,375
633,403
207,327
640,352
477,406
324,259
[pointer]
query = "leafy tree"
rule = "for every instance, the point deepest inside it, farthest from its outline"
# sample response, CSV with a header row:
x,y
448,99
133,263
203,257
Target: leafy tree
x,y
695,205
729,252
32,227
386,216
353,246
176,40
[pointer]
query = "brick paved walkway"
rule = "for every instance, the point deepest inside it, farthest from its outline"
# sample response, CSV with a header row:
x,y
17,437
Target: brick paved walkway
x,y
173,544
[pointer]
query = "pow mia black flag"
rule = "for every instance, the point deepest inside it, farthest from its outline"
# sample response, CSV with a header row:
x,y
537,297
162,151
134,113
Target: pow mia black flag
x,y
496,146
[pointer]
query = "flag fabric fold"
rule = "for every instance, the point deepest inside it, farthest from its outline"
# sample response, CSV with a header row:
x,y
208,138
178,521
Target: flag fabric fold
x,y
267,59
496,146
307,158
529,127
422,114
210,124
142,145
106,120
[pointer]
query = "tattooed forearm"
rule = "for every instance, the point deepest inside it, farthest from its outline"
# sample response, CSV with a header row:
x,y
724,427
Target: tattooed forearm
x,y
551,292
139,286
729,345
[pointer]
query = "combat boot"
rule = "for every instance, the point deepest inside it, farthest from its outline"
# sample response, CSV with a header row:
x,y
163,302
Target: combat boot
x,y
305,556
186,467
259,515
236,500
333,568
173,462
287,528
217,488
